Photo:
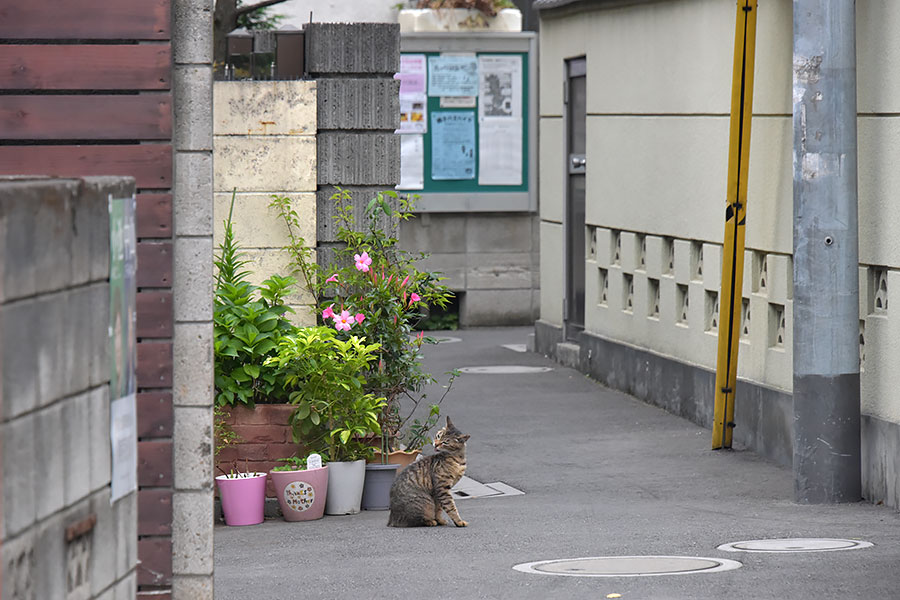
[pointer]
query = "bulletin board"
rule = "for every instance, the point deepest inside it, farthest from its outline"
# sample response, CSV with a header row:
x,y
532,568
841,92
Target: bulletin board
x,y
469,118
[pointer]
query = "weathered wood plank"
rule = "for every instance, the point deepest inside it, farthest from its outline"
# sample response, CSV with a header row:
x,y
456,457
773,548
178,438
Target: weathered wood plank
x,y
86,20
154,365
149,164
86,67
154,264
154,414
95,117
154,314
154,512
154,215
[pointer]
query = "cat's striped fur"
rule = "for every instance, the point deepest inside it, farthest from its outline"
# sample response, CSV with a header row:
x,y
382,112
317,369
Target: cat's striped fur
x,y
421,491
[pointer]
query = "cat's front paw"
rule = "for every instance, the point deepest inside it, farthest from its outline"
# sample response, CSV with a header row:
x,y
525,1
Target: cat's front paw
x,y
430,523
461,523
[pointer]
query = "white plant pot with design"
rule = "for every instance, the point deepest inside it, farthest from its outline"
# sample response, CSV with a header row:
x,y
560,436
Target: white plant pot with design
x,y
345,487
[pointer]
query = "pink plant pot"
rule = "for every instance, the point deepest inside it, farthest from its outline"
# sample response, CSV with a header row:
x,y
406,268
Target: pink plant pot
x,y
301,494
243,498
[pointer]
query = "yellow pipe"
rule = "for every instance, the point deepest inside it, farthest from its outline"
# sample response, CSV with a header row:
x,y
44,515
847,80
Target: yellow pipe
x,y
730,296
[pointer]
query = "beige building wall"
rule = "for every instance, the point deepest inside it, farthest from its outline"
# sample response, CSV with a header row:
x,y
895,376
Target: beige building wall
x,y
659,84
265,143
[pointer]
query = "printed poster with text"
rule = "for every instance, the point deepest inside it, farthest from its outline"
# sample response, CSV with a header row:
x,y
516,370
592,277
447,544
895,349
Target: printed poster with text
x,y
500,120
452,144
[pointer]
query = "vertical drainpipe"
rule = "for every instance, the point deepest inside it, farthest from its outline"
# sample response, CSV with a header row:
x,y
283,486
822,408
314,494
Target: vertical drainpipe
x,y
826,254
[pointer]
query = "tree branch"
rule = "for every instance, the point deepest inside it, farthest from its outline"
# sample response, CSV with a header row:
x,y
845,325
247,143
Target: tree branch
x,y
243,10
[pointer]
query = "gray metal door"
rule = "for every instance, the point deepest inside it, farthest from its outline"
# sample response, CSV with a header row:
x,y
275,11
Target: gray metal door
x,y
575,96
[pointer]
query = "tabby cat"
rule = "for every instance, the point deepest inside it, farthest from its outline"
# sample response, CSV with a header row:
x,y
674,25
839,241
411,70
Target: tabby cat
x,y
421,491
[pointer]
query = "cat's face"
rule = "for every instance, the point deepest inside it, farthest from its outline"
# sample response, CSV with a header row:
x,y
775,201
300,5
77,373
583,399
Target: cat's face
x,y
449,438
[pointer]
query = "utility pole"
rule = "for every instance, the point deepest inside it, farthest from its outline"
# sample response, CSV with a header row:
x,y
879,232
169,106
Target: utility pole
x,y
826,254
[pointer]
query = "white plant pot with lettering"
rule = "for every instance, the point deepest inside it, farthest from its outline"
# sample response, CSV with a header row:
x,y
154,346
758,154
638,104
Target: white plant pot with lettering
x,y
345,487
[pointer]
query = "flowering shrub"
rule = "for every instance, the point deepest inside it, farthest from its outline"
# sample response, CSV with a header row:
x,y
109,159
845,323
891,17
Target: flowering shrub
x,y
379,295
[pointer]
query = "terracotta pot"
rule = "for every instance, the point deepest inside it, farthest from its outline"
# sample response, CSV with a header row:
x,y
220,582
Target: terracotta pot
x,y
396,457
301,494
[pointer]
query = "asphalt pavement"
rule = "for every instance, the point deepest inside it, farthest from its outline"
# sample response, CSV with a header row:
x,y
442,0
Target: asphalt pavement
x,y
603,475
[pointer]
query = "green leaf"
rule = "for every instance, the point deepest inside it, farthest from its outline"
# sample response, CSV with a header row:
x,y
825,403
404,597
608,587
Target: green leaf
x,y
252,370
345,436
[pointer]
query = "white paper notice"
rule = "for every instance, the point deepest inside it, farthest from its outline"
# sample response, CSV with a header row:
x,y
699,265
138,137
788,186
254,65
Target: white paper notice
x,y
500,152
412,162
413,114
123,437
500,86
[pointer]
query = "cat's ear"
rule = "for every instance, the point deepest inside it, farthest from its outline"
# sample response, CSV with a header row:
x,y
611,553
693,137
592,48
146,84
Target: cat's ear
x,y
449,422
465,438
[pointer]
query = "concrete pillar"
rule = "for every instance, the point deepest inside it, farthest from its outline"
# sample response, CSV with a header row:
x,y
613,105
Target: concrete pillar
x,y
826,255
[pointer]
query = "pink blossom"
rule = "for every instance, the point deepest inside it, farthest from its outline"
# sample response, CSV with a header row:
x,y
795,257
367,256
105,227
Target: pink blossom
x,y
360,317
414,297
332,279
404,281
362,262
343,321
328,313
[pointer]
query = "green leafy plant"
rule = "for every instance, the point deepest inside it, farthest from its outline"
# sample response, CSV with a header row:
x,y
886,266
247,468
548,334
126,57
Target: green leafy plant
x,y
378,293
248,322
292,463
334,415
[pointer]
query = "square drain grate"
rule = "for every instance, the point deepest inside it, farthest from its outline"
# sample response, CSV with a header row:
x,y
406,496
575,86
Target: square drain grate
x,y
469,488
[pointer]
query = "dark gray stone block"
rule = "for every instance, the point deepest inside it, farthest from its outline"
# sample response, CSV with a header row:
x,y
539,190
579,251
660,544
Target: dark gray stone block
x,y
880,454
360,196
348,159
352,48
20,378
358,104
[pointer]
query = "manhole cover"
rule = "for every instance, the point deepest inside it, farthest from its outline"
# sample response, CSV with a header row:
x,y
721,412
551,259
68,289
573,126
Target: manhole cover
x,y
629,566
505,370
794,545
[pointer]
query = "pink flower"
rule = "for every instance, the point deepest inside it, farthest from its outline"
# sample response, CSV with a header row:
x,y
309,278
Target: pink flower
x,y
343,321
360,317
404,281
332,279
414,297
362,262
328,313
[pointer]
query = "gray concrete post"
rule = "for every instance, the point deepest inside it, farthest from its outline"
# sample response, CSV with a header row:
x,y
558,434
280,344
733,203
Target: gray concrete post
x,y
826,254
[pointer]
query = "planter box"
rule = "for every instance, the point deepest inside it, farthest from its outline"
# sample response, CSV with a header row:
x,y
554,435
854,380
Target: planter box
x,y
266,437
458,19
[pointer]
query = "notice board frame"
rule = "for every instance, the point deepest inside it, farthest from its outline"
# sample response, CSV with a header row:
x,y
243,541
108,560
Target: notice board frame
x,y
441,196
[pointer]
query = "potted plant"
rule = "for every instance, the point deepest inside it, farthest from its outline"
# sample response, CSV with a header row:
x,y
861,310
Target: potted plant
x,y
242,493
380,295
334,415
301,487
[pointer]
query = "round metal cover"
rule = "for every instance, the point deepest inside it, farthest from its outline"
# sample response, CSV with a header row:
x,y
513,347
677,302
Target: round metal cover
x,y
794,545
504,370
628,566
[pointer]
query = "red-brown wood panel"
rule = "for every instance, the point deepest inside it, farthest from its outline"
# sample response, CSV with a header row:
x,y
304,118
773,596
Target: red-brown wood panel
x,y
149,164
154,368
155,568
86,67
154,264
95,117
154,314
155,463
154,215
154,512
85,19
155,417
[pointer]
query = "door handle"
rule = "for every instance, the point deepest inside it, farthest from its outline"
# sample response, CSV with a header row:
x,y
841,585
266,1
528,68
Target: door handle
x,y
578,162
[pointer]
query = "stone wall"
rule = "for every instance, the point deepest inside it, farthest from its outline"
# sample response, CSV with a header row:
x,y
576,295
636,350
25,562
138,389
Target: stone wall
x,y
265,144
62,538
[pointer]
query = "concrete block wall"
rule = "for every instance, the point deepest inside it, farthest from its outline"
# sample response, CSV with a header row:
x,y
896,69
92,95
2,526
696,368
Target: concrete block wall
x,y
657,148
265,143
190,552
61,536
491,260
